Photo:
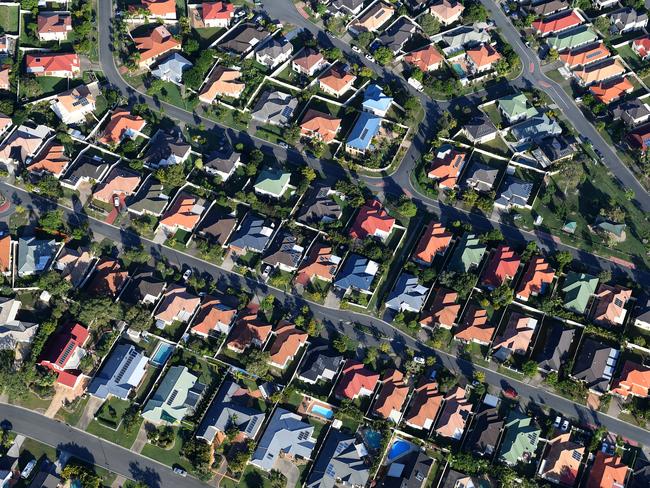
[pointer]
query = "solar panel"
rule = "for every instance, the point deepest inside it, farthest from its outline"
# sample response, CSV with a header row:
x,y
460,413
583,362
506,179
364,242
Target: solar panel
x,y
576,455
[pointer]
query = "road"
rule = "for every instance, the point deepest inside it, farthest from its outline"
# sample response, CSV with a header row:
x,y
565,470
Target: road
x,y
533,73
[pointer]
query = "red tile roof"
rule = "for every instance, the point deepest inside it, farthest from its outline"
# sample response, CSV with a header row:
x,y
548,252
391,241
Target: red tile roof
x,y
538,273
320,124
355,378
371,218
436,239
159,8
642,46
634,380
607,472
288,341
640,137
68,63
217,10
483,56
109,278
425,405
426,59
121,122
62,345
557,23
392,395
51,160
585,55
446,167
444,310
247,329
157,42
212,313
320,263
5,253
502,266
609,91
475,326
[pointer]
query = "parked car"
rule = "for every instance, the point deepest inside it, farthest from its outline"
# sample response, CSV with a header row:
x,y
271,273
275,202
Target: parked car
x,y
187,274
370,58
180,471
356,49
565,426
27,471
510,392
116,201
283,145
557,422
418,360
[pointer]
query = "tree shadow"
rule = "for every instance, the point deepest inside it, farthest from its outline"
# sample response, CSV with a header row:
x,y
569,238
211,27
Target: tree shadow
x,y
145,475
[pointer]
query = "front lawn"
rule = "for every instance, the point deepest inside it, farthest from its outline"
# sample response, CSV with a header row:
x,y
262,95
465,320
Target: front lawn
x,y
172,455
9,16
119,436
112,411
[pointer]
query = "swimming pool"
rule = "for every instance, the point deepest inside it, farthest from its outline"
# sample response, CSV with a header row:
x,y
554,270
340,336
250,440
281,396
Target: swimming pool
x,y
459,69
162,352
373,439
398,448
322,411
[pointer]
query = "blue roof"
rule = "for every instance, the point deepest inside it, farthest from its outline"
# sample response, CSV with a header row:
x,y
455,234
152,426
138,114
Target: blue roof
x,y
374,98
358,272
120,373
364,130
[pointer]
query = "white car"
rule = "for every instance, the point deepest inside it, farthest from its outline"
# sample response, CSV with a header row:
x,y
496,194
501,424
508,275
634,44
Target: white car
x,y
356,49
370,58
283,145
418,360
180,472
557,422
116,201
27,471
565,426
187,274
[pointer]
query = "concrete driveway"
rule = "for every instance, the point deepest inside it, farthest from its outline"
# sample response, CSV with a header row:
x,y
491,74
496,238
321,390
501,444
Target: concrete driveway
x,y
288,469
89,412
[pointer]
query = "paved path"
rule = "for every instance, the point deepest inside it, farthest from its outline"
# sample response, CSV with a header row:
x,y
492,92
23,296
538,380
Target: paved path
x,y
141,439
88,414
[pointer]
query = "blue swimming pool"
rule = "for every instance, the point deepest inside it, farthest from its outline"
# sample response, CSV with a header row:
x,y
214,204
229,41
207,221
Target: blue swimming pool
x,y
322,411
76,484
162,353
373,439
459,69
398,448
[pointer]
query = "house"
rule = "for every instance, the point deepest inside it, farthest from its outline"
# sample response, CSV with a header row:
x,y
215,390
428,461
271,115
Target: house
x,y
358,274
612,90
562,460
222,82
51,160
217,14
447,165
222,163
397,34
559,22
342,458
548,8
231,406
642,316
641,47
108,279
481,177
482,58
554,149
376,101
243,38
599,72
53,26
215,316
425,59
373,18
284,252
634,380
154,45
319,125
274,53
177,305
595,364
272,182
572,38
216,227
610,305
172,68
578,288
34,255
482,440
424,406
467,254
536,279
585,55
480,130
475,326
6,255
444,310
355,381
175,398
515,338
119,182
286,434
556,347
253,234
86,170
248,331
447,11
160,9
121,126
628,20
144,288
640,138
407,295
409,468
15,334
522,435
320,364
607,471
166,148
633,112
150,199
347,7
514,193
63,352
319,207
274,107
183,214
611,229
319,264
372,220
501,267
360,138
603,4
5,82
336,81
516,108
535,129
434,242
120,374
454,415
288,341
23,144
58,65
456,40
74,105
308,62
392,396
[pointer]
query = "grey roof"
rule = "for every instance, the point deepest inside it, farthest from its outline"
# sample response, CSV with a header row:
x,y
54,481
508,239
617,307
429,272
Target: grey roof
x,y
243,38
514,192
398,34
634,109
165,144
228,407
465,35
216,226
46,477
595,364
643,313
408,292
319,205
275,107
339,462
284,250
317,362
452,476
536,128
34,255
640,474
483,437
286,433
481,176
85,166
13,330
120,373
223,160
549,7
254,233
171,68
150,197
556,347
627,17
142,284
479,127
407,471
350,5
556,148
275,48
358,273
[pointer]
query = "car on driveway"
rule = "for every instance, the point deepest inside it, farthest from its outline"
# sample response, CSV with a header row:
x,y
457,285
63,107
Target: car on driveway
x,y
370,58
356,49
187,274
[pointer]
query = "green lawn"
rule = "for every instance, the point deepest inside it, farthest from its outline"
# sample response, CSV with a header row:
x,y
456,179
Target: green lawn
x,y
251,478
271,133
493,112
630,57
9,18
51,84
112,410
32,401
73,414
119,436
171,456
171,94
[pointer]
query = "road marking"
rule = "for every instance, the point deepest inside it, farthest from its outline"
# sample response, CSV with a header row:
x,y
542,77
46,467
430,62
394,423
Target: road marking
x,y
531,67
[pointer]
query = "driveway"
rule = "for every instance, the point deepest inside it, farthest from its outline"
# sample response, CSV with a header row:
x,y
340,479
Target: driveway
x,y
64,394
290,470
89,412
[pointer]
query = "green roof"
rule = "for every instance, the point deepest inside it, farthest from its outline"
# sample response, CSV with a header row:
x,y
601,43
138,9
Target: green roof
x,y
521,437
578,289
468,253
611,227
272,182
573,38
516,105
175,397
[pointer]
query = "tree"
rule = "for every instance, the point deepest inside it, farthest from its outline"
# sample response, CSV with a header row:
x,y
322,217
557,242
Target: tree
x,y
529,368
52,283
344,344
256,362
475,12
87,478
629,194
553,54
562,258
308,173
429,24
49,187
277,479
463,283
335,25
602,24
292,134
383,55
406,207
172,176
52,222
492,236
138,318
501,296
364,39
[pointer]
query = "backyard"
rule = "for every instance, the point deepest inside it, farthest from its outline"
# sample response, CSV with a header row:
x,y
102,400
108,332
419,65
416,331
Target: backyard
x,y
9,18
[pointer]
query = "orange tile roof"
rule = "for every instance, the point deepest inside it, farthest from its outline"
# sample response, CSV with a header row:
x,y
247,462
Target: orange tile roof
x,y
176,300
212,313
426,59
600,72
217,10
5,253
446,10
447,166
181,213
557,23
377,16
248,328
288,340
562,461
222,82
483,56
160,8
642,46
122,122
392,394
634,380
318,264
319,124
502,266
585,55
5,70
355,378
444,309
118,182
610,304
337,80
517,335
436,239
69,63
52,159
538,273
109,278
425,405
475,326
607,472
454,414
4,122
371,218
608,92
54,22
158,42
